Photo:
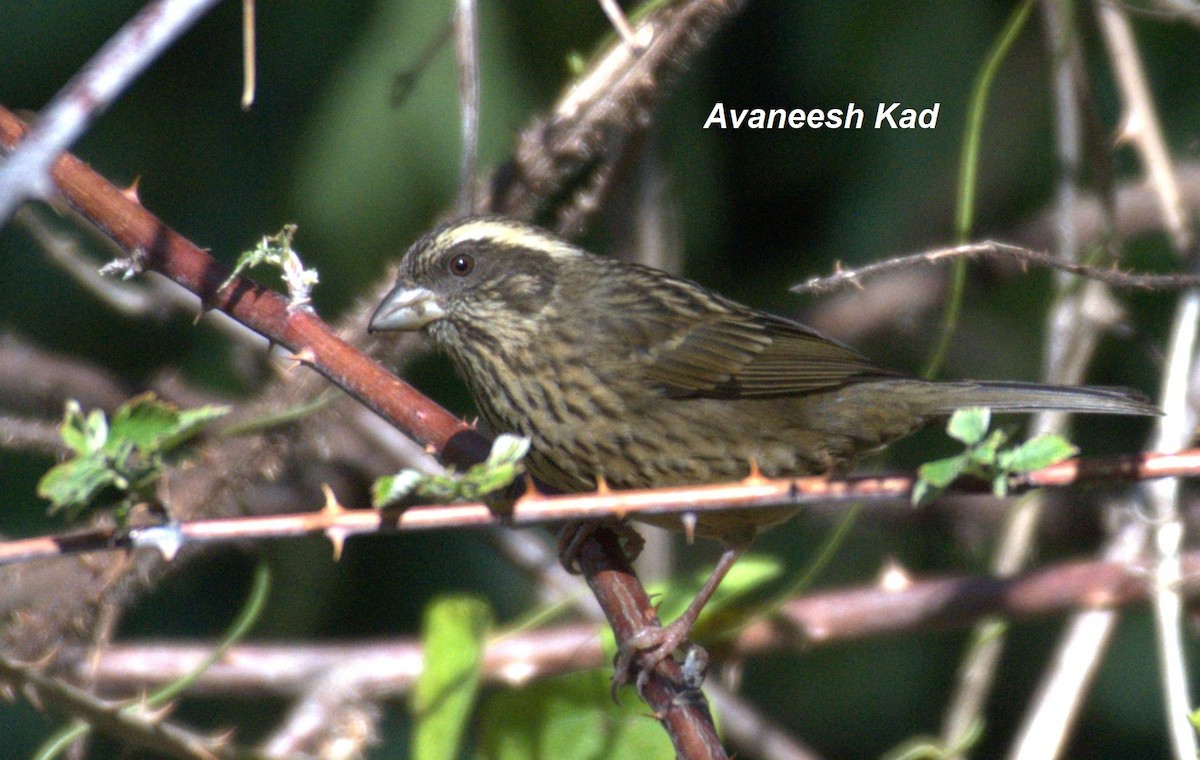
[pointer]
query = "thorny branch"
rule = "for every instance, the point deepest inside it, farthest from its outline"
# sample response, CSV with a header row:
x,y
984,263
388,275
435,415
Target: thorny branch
x,y
339,523
138,727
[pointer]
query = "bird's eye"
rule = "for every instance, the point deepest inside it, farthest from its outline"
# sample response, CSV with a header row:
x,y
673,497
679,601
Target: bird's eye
x,y
462,264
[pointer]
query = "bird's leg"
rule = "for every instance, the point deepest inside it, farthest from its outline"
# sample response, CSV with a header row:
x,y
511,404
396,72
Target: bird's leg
x,y
653,644
571,535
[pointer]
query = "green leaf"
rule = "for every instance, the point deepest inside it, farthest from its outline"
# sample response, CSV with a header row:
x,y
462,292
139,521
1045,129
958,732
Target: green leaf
x,y
502,468
1039,452
83,434
985,454
454,633
142,421
942,472
126,454
392,488
154,425
923,493
272,250
277,251
74,484
568,718
969,425
934,477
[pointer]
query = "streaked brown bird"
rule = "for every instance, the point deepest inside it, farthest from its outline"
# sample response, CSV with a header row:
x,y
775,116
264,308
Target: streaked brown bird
x,y
620,372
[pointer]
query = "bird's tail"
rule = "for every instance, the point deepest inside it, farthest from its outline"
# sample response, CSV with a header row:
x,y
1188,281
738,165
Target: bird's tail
x,y
1031,397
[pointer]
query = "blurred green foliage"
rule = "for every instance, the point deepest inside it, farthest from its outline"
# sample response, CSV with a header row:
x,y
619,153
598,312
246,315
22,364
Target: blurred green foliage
x,y
324,148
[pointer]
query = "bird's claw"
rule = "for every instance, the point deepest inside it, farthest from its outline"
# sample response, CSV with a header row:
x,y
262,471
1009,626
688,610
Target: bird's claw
x,y
651,646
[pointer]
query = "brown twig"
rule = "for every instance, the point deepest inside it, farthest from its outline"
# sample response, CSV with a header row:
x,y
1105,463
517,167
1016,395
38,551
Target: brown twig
x,y
565,163
140,727
815,619
990,249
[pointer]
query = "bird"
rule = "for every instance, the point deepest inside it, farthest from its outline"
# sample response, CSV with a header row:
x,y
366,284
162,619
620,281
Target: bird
x,y
624,376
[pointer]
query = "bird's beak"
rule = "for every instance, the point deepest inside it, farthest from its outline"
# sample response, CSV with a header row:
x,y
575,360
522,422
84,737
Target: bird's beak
x,y
406,308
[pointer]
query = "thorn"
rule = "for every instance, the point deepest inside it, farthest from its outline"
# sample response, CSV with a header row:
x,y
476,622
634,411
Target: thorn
x,y
31,696
755,476
131,192
602,485
532,492
893,577
155,716
332,506
337,538
222,737
301,357
332,509
1127,131
689,520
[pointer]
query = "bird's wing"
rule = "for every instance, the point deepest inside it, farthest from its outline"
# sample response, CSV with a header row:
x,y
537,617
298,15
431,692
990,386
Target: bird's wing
x,y
749,355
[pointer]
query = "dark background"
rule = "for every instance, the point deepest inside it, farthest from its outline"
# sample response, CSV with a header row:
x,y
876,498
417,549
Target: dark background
x,y
757,211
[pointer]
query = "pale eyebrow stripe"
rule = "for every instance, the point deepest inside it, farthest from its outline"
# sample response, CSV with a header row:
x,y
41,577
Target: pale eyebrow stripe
x,y
505,234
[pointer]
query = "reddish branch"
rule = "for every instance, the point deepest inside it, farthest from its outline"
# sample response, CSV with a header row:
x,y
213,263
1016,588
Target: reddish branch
x,y
156,247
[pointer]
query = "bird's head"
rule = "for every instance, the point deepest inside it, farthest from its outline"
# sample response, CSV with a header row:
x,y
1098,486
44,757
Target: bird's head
x,y
487,275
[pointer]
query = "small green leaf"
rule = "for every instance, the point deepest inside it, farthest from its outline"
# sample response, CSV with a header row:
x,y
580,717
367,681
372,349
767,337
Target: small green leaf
x,y
969,425
271,249
127,454
143,421
454,632
934,477
392,488
277,251
508,449
154,425
83,434
567,718
72,485
189,422
923,493
502,468
1039,452
942,472
984,453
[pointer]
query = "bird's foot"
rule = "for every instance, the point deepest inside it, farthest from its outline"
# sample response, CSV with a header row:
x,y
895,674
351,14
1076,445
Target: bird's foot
x,y
651,646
